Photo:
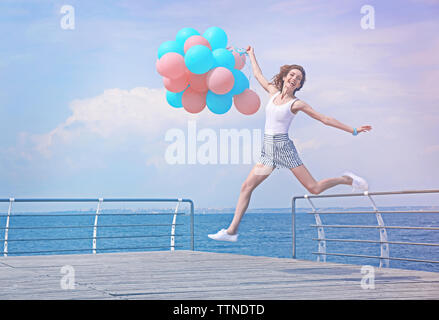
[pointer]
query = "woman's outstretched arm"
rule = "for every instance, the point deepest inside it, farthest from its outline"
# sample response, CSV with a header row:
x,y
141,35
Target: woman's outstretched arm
x,y
258,73
329,121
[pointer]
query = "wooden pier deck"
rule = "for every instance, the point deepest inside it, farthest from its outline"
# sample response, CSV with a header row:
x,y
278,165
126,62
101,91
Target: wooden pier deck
x,y
201,275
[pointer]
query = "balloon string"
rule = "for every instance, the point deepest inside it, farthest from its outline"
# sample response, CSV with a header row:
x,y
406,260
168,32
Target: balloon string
x,y
249,73
242,51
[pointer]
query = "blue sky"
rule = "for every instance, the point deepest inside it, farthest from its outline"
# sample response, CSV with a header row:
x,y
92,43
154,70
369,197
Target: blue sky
x,y
83,111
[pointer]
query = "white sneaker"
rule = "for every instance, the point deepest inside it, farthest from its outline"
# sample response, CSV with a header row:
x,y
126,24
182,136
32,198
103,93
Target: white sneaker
x,y
222,235
358,183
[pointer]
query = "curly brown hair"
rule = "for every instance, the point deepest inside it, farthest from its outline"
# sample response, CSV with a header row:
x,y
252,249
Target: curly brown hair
x,y
278,81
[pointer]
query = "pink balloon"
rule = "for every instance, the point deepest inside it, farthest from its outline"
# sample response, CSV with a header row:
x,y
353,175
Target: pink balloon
x,y
248,102
196,40
193,101
239,60
178,84
220,80
198,82
171,65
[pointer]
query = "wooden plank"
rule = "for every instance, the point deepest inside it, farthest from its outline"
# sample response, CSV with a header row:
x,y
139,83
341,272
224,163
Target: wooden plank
x,y
203,275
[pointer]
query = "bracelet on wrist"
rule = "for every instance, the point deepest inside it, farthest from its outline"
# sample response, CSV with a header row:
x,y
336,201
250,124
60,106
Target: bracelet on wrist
x,y
355,132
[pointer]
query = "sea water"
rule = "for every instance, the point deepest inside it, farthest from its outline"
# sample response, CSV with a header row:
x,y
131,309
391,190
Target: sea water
x,y
260,234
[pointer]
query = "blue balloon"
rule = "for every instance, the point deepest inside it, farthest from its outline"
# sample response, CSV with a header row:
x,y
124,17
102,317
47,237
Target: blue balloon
x,y
219,103
199,59
217,37
174,99
184,34
223,58
170,46
241,82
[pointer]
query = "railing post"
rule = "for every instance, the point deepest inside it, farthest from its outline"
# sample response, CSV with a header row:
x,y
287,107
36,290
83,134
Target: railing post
x,y
95,226
320,232
293,218
5,247
173,225
192,225
384,246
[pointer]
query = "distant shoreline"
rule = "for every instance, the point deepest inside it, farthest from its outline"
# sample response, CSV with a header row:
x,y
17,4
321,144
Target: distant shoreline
x,y
201,211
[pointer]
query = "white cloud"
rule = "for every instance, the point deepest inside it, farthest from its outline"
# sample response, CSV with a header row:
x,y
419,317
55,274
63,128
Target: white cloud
x,y
118,115
116,111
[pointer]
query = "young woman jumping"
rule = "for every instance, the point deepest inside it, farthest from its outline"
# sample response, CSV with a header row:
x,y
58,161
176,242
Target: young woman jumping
x,y
278,151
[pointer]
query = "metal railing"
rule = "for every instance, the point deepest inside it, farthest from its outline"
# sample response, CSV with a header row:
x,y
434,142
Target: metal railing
x,y
384,243
94,237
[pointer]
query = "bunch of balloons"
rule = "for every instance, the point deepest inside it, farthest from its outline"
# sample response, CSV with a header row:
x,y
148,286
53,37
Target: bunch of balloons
x,y
200,70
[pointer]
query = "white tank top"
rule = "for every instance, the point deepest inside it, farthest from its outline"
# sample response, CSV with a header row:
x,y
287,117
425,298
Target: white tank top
x,y
278,117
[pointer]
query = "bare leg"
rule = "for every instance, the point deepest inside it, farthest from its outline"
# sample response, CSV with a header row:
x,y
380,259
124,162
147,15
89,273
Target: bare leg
x,y
258,174
316,187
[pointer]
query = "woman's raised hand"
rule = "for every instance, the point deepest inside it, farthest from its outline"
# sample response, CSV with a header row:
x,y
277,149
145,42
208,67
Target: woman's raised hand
x,y
364,129
250,50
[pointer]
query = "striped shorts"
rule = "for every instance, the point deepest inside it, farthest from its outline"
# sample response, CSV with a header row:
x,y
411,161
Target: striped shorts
x,y
278,151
